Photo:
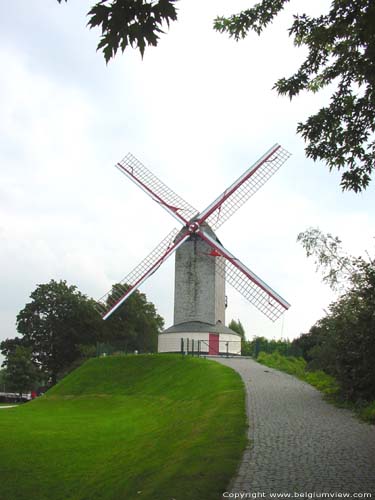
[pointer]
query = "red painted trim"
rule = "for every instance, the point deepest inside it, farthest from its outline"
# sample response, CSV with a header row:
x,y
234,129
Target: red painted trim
x,y
229,193
233,261
214,253
170,207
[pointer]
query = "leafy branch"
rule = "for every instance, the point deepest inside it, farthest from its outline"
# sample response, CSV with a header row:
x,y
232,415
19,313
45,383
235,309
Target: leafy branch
x,y
338,268
341,51
130,23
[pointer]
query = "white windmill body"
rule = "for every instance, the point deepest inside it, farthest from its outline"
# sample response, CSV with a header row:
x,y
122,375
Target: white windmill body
x,y
199,302
203,265
199,293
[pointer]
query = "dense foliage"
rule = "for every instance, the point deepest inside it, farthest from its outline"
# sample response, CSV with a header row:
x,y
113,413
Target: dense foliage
x,y
282,346
260,344
343,342
60,326
246,347
237,327
340,51
297,366
318,378
134,326
130,23
21,374
55,323
4,385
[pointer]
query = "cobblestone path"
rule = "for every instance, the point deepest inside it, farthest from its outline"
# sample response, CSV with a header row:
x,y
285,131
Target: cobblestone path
x,y
298,442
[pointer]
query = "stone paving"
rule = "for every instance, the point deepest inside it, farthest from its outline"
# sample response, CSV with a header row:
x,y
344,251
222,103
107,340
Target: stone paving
x,y
298,442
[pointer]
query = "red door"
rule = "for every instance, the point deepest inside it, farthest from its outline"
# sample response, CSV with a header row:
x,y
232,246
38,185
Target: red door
x,y
213,343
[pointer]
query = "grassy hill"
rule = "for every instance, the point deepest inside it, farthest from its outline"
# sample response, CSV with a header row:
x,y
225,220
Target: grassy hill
x,y
135,427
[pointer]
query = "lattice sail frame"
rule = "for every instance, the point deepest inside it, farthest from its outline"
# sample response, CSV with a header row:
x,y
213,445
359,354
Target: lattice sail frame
x,y
250,290
253,288
236,274
154,187
220,210
113,299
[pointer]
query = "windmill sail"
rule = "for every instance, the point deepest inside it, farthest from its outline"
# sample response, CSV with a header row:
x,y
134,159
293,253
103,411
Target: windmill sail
x,y
244,187
117,295
156,189
254,289
220,210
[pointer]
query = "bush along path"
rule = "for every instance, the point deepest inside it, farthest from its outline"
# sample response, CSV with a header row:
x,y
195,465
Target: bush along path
x,y
320,380
299,443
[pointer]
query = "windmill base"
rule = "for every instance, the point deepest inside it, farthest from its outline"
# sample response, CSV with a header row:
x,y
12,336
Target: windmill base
x,y
195,337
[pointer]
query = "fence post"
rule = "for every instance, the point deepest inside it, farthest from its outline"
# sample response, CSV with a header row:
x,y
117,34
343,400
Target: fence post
x,y
227,349
187,348
182,346
192,347
199,348
256,348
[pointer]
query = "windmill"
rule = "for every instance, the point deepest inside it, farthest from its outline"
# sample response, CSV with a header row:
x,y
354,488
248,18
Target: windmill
x,y
203,265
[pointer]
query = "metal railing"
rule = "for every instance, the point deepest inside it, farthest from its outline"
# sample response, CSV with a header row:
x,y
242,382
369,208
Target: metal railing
x,y
203,347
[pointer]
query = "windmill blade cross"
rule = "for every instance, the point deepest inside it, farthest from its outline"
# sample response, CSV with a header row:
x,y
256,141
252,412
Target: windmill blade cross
x,y
112,301
225,205
236,273
254,289
156,189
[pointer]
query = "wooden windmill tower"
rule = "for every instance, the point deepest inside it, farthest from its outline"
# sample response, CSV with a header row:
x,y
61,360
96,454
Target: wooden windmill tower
x,y
203,265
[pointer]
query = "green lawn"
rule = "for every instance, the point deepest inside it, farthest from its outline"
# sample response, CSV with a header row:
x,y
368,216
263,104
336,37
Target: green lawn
x,y
142,427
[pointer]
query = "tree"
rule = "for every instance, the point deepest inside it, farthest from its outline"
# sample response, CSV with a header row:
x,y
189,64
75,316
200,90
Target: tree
x,y
136,325
8,346
343,342
2,381
337,266
130,23
341,50
340,270
318,347
20,371
237,327
307,341
346,347
54,325
246,345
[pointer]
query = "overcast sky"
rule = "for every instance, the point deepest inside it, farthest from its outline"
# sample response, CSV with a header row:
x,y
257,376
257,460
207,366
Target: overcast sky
x,y
197,111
